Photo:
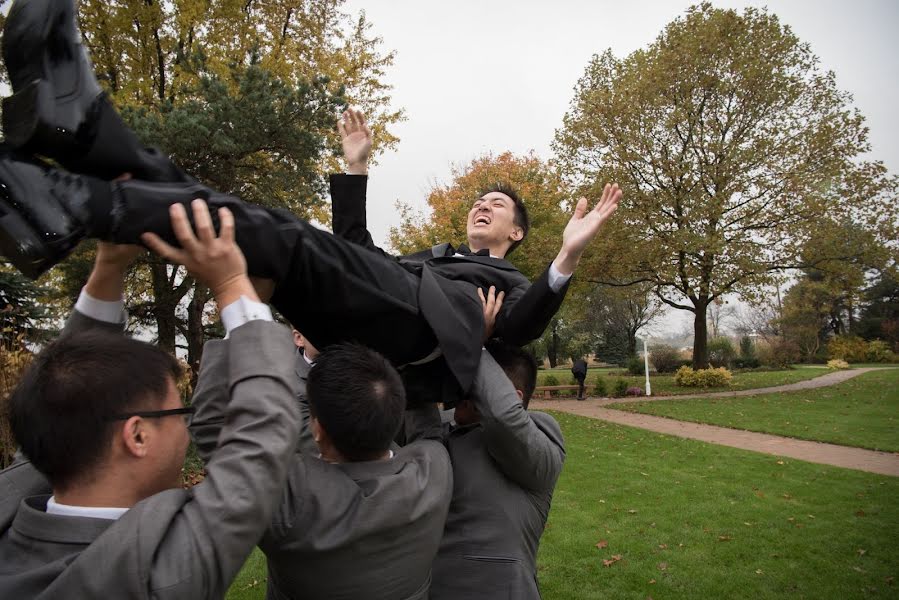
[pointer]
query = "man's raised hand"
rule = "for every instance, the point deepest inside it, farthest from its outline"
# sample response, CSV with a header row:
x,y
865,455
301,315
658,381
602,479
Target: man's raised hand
x,y
355,136
215,261
583,227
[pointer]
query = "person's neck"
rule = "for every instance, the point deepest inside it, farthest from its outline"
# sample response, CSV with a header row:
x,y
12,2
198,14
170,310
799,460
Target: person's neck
x,y
336,457
495,251
96,496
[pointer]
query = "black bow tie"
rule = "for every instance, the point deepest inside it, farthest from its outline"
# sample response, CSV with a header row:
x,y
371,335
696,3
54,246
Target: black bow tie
x,y
466,251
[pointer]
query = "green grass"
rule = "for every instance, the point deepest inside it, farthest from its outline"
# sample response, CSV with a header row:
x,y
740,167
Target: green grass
x,y
734,524
704,521
663,385
862,412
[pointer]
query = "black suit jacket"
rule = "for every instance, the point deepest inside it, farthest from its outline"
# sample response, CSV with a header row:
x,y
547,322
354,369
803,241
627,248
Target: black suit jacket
x,y
448,296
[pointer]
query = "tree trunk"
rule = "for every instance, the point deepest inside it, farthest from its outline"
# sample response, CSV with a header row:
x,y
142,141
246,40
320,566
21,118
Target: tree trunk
x,y
195,329
552,352
700,338
164,308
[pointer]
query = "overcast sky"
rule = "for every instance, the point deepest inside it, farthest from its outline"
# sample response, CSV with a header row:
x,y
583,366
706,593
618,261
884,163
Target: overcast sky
x,y
498,75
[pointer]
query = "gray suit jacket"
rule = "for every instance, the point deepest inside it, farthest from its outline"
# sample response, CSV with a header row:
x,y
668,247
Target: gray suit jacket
x,y
178,543
505,469
351,530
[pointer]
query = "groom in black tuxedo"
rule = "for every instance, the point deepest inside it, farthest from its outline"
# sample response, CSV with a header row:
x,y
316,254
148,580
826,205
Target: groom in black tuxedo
x,y
330,289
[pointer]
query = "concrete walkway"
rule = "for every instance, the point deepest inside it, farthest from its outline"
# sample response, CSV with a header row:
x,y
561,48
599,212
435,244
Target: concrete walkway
x,y
883,463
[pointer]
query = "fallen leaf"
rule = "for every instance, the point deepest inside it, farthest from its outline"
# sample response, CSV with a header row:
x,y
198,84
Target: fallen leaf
x,y
652,581
608,562
663,546
632,511
811,516
791,519
862,551
759,572
860,513
780,462
788,496
602,544
724,538
747,524
663,566
889,580
859,569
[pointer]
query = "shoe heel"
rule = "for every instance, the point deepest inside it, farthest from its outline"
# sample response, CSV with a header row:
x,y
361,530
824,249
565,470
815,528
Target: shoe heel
x,y
20,245
34,119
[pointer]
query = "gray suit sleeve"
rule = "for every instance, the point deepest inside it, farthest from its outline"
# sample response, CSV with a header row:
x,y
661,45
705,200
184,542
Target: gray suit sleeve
x,y
528,453
210,399
215,532
422,422
78,322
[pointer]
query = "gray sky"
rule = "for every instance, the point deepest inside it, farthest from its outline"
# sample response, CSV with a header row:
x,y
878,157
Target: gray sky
x,y
497,75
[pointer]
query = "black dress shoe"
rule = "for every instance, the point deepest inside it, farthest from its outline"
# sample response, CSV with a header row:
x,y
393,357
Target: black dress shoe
x,y
58,109
43,212
55,91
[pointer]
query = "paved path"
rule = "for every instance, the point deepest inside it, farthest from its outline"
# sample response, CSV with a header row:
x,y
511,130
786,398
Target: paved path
x,y
884,463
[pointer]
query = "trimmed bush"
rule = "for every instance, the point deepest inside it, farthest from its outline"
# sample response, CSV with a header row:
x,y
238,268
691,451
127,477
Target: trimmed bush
x,y
779,354
551,379
837,363
850,348
634,391
599,387
746,363
878,352
620,388
721,352
635,366
665,359
703,378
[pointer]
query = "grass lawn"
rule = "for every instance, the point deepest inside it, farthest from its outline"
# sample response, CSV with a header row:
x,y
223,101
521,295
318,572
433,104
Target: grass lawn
x,y
687,519
663,385
861,412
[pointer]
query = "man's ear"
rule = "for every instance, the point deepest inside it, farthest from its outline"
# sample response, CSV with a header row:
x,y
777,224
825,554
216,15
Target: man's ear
x,y
517,234
317,430
520,395
135,437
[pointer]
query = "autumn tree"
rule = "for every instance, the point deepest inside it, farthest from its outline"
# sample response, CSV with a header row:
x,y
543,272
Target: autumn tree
x,y
731,144
244,96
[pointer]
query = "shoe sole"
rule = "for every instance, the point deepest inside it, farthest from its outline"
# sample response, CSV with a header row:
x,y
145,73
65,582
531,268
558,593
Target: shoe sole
x,y
43,116
25,244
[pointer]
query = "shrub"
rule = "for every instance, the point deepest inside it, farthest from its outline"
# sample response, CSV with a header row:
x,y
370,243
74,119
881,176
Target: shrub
x,y
599,387
665,359
550,379
721,352
850,348
747,348
620,388
703,378
779,354
878,352
750,362
837,363
635,366
634,391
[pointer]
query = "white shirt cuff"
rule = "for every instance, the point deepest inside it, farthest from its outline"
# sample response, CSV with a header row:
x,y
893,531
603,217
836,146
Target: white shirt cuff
x,y
556,279
101,310
243,310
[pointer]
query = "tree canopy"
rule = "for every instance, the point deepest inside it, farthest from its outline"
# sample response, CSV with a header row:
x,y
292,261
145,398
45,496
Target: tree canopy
x,y
732,145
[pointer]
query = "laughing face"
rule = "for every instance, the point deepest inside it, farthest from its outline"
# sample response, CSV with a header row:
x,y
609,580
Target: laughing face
x,y
491,224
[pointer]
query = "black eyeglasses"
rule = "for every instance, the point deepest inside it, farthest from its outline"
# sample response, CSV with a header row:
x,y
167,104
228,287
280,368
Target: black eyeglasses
x,y
187,411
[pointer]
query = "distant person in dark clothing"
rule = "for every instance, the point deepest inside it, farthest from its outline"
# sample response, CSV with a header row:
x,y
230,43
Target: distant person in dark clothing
x,y
579,370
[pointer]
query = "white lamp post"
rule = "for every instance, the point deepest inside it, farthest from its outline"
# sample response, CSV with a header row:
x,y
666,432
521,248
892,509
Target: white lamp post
x,y
646,364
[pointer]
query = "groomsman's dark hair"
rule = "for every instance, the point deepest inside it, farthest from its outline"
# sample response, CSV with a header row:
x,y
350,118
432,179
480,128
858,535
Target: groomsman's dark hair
x,y
519,365
358,398
521,212
60,413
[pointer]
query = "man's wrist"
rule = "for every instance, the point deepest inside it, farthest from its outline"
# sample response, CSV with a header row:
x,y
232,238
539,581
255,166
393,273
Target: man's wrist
x,y
357,168
566,262
230,291
106,282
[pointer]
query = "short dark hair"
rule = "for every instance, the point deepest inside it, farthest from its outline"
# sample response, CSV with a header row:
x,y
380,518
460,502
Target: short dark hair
x,y
521,212
59,412
358,398
519,365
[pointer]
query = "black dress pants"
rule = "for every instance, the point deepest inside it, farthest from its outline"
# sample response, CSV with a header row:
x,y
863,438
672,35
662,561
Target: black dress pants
x,y
328,288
